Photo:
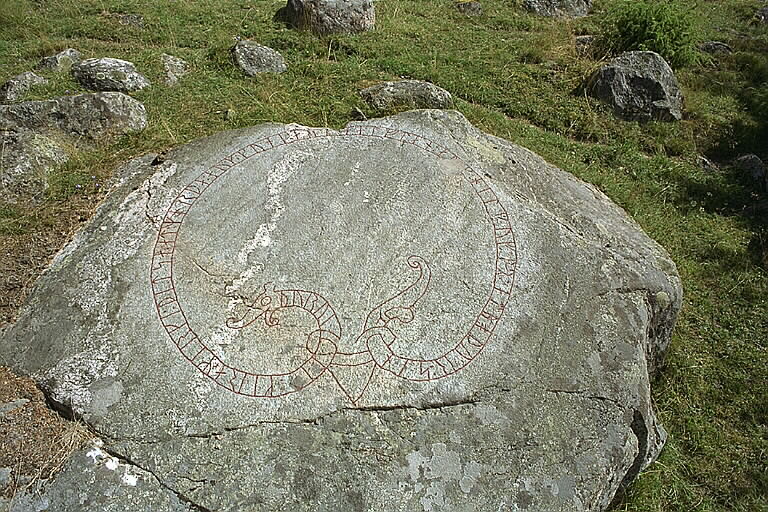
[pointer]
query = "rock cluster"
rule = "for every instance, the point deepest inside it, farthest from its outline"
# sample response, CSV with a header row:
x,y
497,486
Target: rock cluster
x,y
36,135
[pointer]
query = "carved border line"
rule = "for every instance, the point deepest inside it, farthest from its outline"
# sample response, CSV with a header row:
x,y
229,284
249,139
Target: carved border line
x,y
175,322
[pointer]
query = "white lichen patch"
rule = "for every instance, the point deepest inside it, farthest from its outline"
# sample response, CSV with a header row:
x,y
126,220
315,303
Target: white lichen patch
x,y
435,478
70,380
490,415
104,459
276,178
486,149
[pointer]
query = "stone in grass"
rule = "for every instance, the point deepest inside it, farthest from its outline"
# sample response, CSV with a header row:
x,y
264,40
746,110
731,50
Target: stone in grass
x,y
751,165
16,87
95,116
715,48
62,61
28,158
402,311
584,45
406,93
174,68
639,86
324,17
253,58
37,135
130,20
108,74
559,8
705,164
470,8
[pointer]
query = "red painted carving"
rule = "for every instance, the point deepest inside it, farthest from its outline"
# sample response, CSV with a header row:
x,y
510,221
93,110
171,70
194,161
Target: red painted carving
x,y
352,371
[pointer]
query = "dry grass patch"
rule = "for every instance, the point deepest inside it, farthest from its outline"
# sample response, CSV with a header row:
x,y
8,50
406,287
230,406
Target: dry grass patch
x,y
34,441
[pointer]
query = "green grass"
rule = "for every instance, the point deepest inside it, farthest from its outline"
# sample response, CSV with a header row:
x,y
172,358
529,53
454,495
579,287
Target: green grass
x,y
516,76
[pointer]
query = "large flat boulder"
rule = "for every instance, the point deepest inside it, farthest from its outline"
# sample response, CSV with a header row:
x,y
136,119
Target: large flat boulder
x,y
406,314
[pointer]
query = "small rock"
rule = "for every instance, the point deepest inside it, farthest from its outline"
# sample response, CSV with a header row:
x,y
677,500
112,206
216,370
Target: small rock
x,y
470,8
715,48
639,86
10,406
107,74
254,58
408,93
174,68
584,45
130,20
559,8
324,17
16,87
62,61
705,164
751,164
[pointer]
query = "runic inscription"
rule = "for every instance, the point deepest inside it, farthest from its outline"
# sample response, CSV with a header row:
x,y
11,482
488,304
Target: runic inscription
x,y
375,345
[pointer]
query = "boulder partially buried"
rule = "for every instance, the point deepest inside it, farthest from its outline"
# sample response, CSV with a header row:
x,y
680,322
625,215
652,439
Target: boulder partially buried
x,y
36,135
27,158
406,93
15,88
62,61
715,48
324,17
406,314
174,68
559,8
108,74
94,116
469,8
639,86
253,58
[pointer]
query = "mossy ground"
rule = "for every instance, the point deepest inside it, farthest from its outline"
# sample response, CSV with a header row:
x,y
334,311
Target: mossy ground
x,y
516,76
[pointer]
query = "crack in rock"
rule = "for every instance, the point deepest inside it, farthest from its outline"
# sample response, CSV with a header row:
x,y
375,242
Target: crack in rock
x,y
181,496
